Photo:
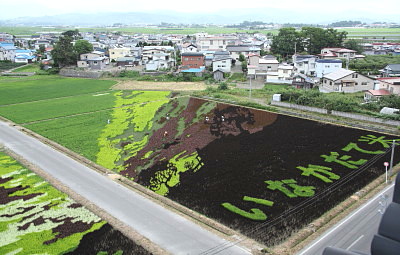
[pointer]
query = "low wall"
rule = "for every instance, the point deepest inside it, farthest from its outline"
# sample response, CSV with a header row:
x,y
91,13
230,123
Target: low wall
x,y
299,107
337,113
80,74
366,118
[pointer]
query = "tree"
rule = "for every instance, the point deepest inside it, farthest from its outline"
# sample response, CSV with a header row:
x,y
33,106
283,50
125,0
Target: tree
x,y
72,33
81,47
241,57
353,45
244,66
63,52
286,41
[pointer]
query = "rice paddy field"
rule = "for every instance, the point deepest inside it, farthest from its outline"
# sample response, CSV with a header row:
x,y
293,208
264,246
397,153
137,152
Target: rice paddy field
x,y
356,33
36,218
261,173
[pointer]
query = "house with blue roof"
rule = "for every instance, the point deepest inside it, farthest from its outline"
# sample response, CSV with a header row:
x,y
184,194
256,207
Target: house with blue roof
x,y
24,56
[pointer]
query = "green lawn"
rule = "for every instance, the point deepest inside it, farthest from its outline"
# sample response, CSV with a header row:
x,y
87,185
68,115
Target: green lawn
x,y
52,108
26,90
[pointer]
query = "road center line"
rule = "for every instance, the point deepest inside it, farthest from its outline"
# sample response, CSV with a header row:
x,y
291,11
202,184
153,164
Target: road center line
x,y
347,219
353,243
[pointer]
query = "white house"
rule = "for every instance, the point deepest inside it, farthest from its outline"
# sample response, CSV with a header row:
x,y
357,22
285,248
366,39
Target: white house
x,y
95,60
215,42
305,64
325,66
222,61
343,80
7,51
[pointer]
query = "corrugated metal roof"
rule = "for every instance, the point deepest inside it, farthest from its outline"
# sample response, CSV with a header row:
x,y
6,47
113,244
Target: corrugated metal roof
x,y
338,74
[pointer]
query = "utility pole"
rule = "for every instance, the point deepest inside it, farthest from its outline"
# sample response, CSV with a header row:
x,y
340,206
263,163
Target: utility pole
x,y
391,158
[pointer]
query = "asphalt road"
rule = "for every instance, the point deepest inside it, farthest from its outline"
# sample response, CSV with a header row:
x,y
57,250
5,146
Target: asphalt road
x,y
356,231
163,227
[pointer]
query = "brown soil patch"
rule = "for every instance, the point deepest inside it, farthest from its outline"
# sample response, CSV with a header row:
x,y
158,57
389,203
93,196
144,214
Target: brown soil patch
x,y
170,86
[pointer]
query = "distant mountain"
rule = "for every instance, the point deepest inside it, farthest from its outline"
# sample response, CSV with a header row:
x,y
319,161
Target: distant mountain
x,y
228,16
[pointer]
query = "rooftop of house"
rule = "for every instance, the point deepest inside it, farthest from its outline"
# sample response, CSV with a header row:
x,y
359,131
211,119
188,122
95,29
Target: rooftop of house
x,y
268,61
328,61
379,92
194,70
393,67
187,54
242,48
338,74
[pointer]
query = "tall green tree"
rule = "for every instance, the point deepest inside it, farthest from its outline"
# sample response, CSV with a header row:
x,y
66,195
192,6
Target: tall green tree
x,y
63,52
353,44
285,43
81,47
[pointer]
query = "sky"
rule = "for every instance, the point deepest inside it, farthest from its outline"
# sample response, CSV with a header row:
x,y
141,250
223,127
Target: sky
x,y
358,8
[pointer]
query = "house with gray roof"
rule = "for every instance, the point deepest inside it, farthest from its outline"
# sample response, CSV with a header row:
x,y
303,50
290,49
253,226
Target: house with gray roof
x,y
391,70
343,80
222,61
236,50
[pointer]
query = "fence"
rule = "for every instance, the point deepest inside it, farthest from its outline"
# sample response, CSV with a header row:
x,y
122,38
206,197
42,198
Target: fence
x,y
337,113
299,107
81,74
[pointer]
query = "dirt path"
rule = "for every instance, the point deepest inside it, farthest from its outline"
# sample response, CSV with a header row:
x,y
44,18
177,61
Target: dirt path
x,y
170,86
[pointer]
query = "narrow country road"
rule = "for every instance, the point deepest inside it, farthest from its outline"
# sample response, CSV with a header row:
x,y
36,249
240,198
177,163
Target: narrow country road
x,y
163,227
356,231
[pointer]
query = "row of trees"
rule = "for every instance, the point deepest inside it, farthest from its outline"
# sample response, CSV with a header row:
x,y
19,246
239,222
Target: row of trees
x,y
308,39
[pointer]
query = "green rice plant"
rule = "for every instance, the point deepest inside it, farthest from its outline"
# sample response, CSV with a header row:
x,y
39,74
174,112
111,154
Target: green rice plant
x,y
77,133
34,213
46,87
132,115
58,107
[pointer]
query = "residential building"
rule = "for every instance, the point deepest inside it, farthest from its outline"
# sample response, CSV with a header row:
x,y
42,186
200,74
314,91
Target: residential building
x,y
246,50
7,51
375,95
330,53
305,64
302,81
115,53
189,47
325,66
222,61
24,56
347,81
391,70
127,61
192,59
160,61
283,74
391,84
95,60
215,42
268,63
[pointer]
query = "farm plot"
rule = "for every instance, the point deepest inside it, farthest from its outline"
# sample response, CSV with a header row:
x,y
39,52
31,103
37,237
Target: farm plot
x,y
26,90
259,172
264,174
58,107
35,218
